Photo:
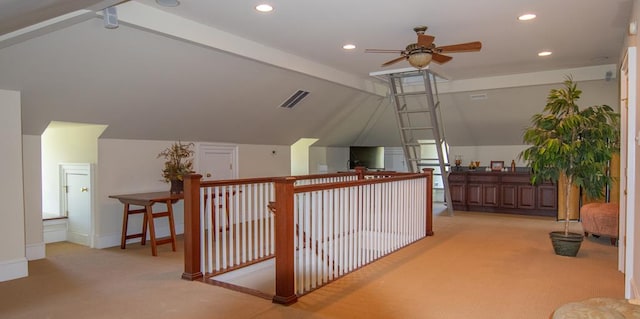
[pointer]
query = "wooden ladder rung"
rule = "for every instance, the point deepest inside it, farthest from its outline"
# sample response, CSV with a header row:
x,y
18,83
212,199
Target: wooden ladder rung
x,y
164,241
138,235
160,214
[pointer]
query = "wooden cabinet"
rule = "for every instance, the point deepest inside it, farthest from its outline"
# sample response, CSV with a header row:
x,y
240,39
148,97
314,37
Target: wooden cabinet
x,y
474,194
548,197
502,192
526,196
490,195
509,196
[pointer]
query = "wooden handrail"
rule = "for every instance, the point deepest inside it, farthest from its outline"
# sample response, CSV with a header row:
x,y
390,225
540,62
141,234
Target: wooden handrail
x,y
285,259
318,187
192,269
360,172
429,194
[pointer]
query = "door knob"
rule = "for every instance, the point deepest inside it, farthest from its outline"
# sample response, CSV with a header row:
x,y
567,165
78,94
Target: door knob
x,y
208,174
84,189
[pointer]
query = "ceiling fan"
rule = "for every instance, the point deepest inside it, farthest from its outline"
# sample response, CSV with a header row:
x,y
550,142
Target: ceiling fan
x,y
421,53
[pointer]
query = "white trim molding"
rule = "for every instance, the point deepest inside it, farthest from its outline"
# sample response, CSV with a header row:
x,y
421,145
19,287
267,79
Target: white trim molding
x,y
36,251
14,269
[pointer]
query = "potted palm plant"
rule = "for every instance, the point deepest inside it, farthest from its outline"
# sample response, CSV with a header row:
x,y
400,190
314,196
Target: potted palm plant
x,y
575,143
178,163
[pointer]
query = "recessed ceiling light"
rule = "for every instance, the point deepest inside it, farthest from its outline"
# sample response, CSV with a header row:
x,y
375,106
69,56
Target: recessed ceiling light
x,y
168,3
528,16
264,7
349,46
544,53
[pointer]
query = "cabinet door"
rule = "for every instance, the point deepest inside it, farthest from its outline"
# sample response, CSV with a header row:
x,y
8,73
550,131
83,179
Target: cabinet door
x,y
526,196
547,197
490,195
474,194
457,193
508,198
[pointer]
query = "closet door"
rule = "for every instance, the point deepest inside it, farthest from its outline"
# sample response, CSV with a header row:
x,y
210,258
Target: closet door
x,y
217,162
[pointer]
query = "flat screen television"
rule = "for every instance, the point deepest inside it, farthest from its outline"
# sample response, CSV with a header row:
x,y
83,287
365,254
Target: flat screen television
x,y
371,157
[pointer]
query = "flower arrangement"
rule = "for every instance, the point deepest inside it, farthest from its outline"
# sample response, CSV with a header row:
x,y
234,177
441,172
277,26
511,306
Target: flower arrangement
x,y
178,161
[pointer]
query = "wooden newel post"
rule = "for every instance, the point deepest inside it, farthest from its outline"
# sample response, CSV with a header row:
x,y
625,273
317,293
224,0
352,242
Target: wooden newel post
x,y
192,269
360,171
285,249
429,212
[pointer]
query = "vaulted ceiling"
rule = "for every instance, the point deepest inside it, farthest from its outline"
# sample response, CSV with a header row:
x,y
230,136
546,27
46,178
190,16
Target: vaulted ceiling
x,y
218,70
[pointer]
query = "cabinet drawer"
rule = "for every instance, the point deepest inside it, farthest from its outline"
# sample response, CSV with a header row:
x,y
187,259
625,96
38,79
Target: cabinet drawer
x,y
488,178
520,179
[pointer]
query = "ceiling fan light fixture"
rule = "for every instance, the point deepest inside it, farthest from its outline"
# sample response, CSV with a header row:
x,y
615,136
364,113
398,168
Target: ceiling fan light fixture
x,y
419,60
527,16
264,7
168,3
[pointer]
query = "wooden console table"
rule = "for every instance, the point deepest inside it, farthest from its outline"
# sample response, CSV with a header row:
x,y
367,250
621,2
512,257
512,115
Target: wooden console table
x,y
147,200
502,192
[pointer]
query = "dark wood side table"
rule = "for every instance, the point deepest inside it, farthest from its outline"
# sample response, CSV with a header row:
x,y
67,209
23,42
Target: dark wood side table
x,y
147,200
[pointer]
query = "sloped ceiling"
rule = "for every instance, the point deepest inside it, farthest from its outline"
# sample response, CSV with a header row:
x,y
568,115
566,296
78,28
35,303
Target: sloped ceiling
x,y
145,82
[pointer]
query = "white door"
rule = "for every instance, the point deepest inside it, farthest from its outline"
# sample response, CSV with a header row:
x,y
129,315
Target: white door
x,y
394,159
217,162
76,202
629,224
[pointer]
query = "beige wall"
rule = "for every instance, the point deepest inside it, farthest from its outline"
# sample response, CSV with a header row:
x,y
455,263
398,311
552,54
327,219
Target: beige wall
x,y
33,196
260,161
335,159
317,159
486,154
13,262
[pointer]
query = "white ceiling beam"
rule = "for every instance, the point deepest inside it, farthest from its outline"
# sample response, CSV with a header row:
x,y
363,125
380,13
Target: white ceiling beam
x,y
148,18
590,73
45,27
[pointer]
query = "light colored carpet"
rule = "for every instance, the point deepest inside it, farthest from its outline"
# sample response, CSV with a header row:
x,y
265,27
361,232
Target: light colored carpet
x,y
477,266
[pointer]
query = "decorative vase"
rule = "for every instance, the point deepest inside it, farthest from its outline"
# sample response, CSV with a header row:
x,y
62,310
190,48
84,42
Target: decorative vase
x,y
566,244
177,186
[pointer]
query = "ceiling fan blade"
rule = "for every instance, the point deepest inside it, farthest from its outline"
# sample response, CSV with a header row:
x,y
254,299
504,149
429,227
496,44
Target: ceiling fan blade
x,y
381,51
440,58
394,61
425,40
462,47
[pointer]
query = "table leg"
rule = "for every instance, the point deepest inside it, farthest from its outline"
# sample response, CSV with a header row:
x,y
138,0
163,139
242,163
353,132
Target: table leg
x,y
145,220
172,227
152,230
125,221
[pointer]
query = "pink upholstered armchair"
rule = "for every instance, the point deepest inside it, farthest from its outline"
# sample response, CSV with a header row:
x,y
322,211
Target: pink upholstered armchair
x,y
600,219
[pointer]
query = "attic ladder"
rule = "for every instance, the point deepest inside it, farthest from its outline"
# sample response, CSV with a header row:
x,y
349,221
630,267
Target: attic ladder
x,y
415,96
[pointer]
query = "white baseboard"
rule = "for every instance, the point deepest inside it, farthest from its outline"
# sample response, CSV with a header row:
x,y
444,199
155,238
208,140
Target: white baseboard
x,y
54,230
113,240
78,238
36,251
13,269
